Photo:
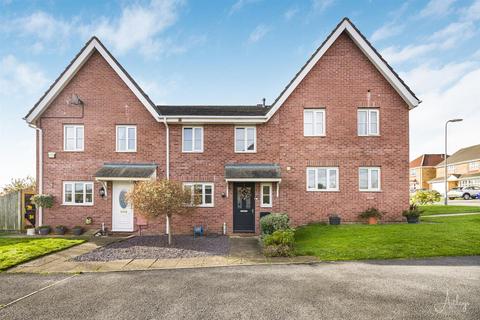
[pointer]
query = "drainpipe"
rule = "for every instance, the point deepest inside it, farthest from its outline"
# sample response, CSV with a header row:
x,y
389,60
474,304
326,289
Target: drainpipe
x,y
40,169
167,169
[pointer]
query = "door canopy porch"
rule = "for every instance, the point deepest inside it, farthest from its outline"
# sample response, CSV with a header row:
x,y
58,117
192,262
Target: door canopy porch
x,y
126,172
253,172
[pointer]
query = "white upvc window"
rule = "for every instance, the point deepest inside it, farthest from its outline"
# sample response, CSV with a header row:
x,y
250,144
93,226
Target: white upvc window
x,y
202,191
266,195
73,139
451,169
245,139
369,178
126,138
475,165
313,122
368,122
192,139
79,193
413,172
322,179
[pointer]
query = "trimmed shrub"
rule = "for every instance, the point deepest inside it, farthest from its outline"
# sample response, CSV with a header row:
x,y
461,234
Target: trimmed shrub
x,y
371,212
425,197
413,211
43,200
273,222
279,243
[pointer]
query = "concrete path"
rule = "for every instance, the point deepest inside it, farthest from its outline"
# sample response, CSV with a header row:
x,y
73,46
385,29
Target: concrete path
x,y
441,288
451,215
243,251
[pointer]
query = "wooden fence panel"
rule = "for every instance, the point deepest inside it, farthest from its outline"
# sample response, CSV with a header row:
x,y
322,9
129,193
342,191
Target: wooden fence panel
x,y
10,211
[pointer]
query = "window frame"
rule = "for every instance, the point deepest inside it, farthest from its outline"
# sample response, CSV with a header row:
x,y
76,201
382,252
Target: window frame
x,y
328,189
203,184
315,111
451,168
126,126
369,179
73,203
193,139
245,139
74,126
474,165
270,195
368,123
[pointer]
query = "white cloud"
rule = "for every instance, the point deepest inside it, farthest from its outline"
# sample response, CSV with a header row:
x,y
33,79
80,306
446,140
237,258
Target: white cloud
x,y
437,8
322,5
258,33
453,34
239,4
472,12
290,13
386,31
397,55
18,77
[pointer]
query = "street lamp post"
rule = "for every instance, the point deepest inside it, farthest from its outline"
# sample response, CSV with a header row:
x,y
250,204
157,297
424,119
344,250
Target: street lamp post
x,y
445,167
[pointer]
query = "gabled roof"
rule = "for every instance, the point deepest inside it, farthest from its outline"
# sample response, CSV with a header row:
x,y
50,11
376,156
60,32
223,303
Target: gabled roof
x,y
372,54
74,66
209,110
427,160
464,155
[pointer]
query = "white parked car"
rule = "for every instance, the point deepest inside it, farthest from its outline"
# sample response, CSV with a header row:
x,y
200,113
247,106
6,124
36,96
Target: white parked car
x,y
466,193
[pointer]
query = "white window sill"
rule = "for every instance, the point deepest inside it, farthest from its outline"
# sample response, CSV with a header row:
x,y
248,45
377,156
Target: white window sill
x,y
74,150
183,151
205,206
265,206
314,135
316,190
127,151
78,204
246,151
370,190
369,135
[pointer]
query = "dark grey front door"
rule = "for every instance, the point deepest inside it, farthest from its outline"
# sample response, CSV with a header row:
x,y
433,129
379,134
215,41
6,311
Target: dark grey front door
x,y
244,207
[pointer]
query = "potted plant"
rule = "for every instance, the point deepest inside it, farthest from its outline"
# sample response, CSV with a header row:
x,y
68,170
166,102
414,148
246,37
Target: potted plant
x,y
60,230
30,230
372,214
412,214
44,230
42,200
334,219
77,230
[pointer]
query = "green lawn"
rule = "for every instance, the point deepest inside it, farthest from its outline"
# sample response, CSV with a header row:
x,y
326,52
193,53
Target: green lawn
x,y
445,236
429,210
17,250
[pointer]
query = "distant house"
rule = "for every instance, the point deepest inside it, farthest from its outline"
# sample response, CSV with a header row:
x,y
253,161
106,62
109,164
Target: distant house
x,y
463,169
422,170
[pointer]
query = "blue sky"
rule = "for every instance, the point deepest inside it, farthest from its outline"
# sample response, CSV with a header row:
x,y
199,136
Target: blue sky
x,y
236,52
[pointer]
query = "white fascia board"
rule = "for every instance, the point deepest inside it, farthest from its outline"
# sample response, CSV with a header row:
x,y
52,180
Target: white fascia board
x,y
72,71
366,49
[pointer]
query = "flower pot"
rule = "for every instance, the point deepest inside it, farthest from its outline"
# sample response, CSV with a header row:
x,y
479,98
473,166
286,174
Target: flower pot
x,y
413,219
334,220
372,220
30,231
44,231
60,230
77,231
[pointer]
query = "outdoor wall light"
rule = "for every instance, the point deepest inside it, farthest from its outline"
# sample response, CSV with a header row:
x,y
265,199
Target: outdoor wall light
x,y
223,195
101,192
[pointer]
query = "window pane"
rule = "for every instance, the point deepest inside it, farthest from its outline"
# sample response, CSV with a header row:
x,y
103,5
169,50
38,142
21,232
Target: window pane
x,y
197,193
332,179
70,144
374,178
251,139
198,139
363,178
122,138
132,137
308,123
187,139
131,144
322,179
122,133
122,145
208,194
311,178
89,193
362,122
240,139
68,192
266,195
373,122
78,192
319,123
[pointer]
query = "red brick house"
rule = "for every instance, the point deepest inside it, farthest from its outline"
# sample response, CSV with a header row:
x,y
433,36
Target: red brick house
x,y
334,141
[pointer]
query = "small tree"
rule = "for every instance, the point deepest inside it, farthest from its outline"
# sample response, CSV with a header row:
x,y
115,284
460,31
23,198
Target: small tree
x,y
423,197
19,185
158,197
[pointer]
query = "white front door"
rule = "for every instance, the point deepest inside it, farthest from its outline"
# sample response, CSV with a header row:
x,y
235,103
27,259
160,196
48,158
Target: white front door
x,y
122,211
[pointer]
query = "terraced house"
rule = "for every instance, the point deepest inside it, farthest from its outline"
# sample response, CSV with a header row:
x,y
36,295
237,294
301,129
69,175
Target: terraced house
x,y
335,140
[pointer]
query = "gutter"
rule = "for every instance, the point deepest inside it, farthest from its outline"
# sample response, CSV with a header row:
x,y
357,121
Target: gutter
x,y
167,143
40,169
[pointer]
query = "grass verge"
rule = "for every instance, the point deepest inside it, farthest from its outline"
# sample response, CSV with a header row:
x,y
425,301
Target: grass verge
x,y
430,210
445,236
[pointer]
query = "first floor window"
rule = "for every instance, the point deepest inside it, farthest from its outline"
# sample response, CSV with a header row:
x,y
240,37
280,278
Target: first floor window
x,y
322,179
474,165
451,169
266,194
369,179
245,139
368,122
192,139
73,137
126,138
314,122
202,193
78,193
